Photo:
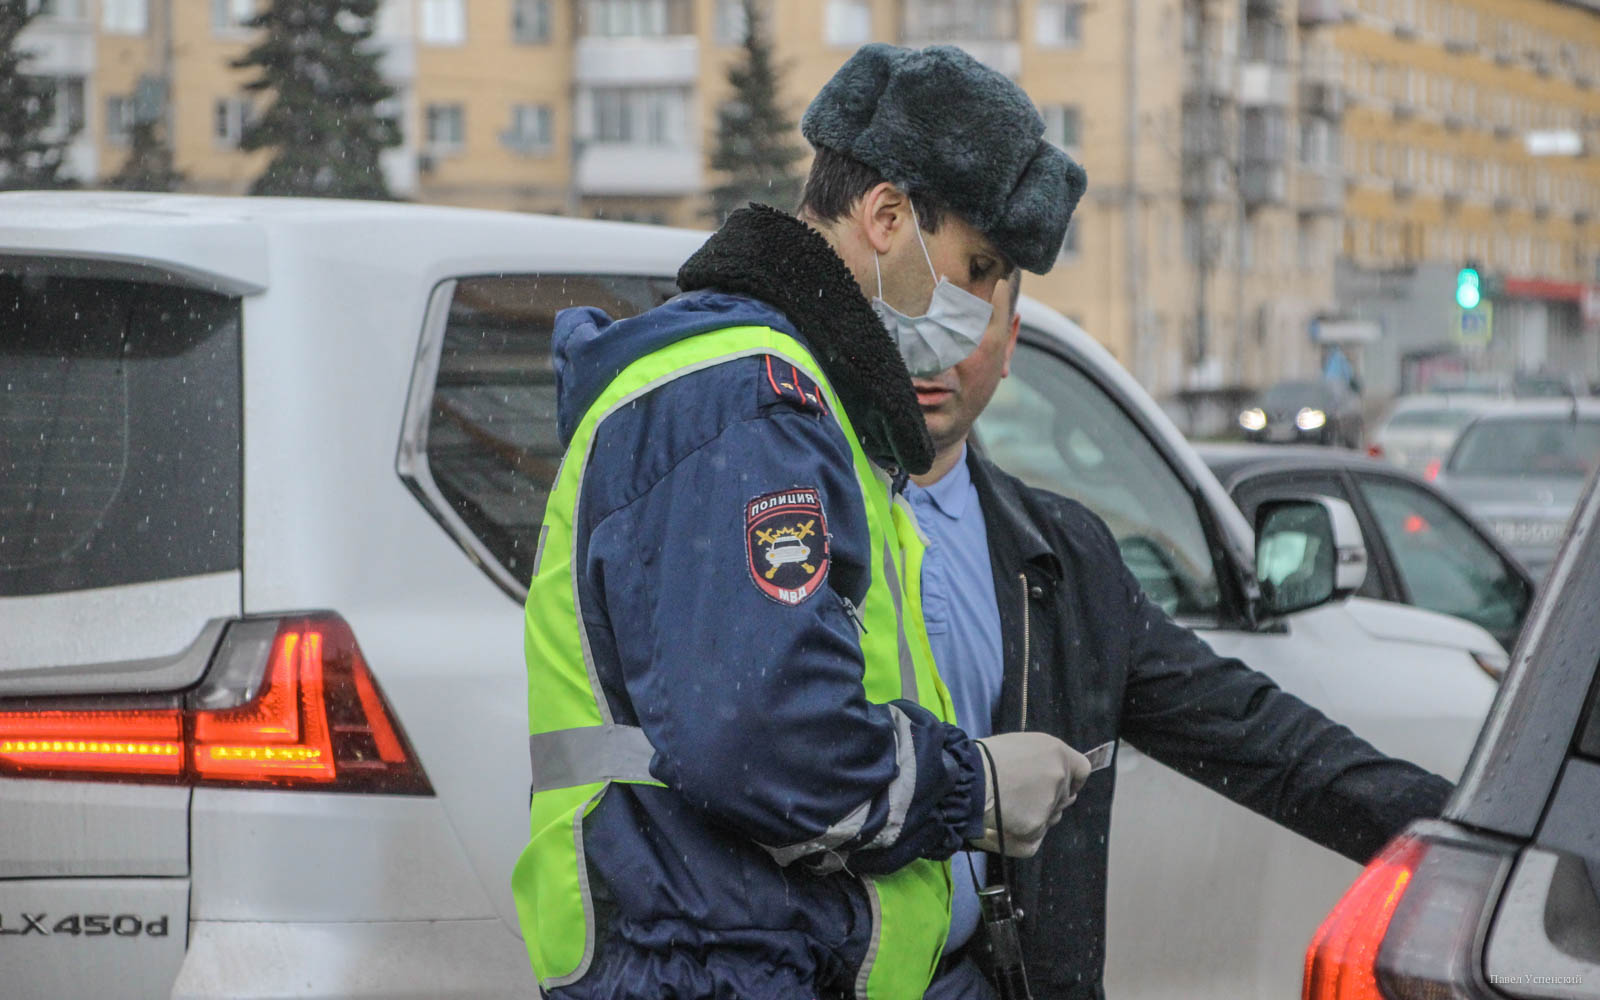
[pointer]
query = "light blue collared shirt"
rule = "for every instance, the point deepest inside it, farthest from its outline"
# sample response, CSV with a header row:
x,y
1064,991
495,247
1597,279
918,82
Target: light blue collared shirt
x,y
958,602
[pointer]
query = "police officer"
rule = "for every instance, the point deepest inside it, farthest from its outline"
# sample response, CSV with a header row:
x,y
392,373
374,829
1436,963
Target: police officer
x,y
747,780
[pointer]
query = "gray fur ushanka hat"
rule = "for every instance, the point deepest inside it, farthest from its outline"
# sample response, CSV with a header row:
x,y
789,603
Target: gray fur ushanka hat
x,y
937,122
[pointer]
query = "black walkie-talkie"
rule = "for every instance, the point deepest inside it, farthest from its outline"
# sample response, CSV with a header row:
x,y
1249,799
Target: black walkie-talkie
x,y
1000,917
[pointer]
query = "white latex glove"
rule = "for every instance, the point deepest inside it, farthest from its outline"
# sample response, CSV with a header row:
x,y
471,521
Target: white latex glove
x,y
1038,777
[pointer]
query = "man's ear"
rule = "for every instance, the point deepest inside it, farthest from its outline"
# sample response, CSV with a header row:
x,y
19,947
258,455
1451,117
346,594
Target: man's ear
x,y
1011,342
882,213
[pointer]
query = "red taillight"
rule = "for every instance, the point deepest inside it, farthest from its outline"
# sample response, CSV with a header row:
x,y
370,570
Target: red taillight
x,y
1431,473
1416,524
302,709
1341,962
1374,451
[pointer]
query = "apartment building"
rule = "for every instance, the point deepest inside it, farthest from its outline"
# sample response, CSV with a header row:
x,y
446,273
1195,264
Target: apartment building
x,y
1236,149
1469,140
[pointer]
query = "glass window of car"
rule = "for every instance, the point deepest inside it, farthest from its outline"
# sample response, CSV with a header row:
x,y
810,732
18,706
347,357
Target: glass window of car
x,y
492,447
1445,565
1443,419
1053,427
1553,447
119,431
1287,395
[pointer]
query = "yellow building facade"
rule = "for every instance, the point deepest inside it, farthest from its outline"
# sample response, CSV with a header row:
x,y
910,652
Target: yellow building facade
x,y
1239,152
1470,141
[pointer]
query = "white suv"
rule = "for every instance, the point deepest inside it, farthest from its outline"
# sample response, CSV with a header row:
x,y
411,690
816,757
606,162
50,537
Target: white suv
x,y
271,480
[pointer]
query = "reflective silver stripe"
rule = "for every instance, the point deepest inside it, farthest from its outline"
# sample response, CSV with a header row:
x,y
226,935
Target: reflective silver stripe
x,y
908,669
904,784
865,972
899,794
538,553
830,838
564,758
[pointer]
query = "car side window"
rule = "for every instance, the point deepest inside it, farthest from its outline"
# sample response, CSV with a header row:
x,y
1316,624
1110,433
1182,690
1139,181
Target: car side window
x,y
1444,563
1053,427
492,446
1316,482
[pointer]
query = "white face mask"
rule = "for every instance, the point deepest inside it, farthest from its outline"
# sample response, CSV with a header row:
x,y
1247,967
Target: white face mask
x,y
947,333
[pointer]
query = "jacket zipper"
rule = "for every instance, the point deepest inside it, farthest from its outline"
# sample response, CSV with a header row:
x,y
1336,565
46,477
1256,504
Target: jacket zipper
x,y
1027,665
852,612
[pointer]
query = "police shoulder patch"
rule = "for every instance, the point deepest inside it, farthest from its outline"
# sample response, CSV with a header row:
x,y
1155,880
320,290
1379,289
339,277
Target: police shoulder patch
x,y
786,542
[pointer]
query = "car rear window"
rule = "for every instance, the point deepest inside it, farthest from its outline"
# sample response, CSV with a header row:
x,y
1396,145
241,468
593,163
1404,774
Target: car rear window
x,y
492,448
1418,419
1287,394
119,431
1552,447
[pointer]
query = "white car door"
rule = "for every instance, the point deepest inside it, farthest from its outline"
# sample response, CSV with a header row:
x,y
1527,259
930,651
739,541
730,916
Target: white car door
x,y
1206,898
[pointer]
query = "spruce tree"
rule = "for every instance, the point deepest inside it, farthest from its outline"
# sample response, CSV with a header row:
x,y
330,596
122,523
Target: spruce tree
x,y
323,125
28,157
149,164
756,144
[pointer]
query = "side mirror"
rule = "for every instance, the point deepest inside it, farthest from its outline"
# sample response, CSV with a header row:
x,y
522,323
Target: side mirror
x,y
1309,552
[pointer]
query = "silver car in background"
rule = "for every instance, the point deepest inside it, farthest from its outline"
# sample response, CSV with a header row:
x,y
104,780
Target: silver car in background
x,y
1520,470
1420,430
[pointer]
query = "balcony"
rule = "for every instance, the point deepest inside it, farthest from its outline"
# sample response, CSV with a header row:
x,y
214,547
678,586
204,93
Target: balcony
x,y
1202,131
1319,12
1209,77
1263,183
1321,98
1319,190
1404,189
1263,84
1001,55
1205,179
60,46
665,60
1264,8
637,169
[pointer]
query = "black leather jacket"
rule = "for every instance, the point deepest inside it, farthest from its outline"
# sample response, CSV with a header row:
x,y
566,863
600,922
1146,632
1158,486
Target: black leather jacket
x,y
1089,658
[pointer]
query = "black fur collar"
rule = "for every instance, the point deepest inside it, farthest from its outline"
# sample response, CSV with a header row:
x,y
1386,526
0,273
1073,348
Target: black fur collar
x,y
772,256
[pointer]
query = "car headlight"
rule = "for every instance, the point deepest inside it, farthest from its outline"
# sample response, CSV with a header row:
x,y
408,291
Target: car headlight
x,y
1309,419
1253,419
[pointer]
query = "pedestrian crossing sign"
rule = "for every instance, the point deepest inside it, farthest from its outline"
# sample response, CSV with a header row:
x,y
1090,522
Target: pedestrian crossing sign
x,y
1476,325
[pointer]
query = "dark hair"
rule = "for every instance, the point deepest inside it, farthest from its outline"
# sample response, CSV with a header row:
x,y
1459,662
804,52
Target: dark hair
x,y
838,181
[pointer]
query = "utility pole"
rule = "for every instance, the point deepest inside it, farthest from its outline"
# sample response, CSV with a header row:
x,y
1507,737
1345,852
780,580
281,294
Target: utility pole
x,y
1132,259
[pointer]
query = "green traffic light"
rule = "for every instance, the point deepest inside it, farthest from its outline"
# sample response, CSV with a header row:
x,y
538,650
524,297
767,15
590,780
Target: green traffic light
x,y
1467,291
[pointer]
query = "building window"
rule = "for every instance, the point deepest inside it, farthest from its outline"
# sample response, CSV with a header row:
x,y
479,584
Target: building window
x,y
59,10
232,15
1061,126
446,128
730,25
64,95
640,116
530,22
848,22
444,22
1069,246
1058,24
120,120
125,17
959,20
530,130
636,18
229,118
